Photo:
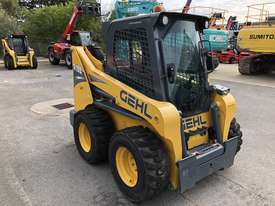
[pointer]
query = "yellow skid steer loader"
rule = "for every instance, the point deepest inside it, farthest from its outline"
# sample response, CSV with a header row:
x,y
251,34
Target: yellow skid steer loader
x,y
17,53
149,108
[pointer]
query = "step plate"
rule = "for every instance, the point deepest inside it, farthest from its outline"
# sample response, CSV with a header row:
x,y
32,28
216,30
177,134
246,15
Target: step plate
x,y
196,167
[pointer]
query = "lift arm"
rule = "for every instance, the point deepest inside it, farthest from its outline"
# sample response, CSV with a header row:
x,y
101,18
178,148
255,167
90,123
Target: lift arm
x,y
186,8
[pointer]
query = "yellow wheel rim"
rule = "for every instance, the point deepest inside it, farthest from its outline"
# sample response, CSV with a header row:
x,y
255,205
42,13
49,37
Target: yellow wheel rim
x,y
84,137
126,166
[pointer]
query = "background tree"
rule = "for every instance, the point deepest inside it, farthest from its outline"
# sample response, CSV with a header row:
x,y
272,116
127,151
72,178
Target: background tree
x,y
8,23
9,6
31,4
47,24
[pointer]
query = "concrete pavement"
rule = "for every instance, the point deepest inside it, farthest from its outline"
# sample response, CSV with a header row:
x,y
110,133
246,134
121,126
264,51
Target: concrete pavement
x,y
39,164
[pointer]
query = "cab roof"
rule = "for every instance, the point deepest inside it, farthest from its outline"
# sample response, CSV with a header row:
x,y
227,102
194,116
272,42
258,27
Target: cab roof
x,y
17,36
152,19
155,16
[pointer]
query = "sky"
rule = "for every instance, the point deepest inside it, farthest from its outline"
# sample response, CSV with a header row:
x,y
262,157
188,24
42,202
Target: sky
x,y
235,7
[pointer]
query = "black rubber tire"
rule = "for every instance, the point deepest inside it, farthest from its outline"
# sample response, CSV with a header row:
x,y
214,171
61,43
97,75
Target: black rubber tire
x,y
245,66
68,59
8,61
34,62
97,52
101,128
235,131
5,62
52,59
232,60
151,159
251,66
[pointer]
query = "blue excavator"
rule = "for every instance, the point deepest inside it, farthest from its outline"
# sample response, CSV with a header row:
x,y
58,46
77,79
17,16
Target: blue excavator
x,y
127,8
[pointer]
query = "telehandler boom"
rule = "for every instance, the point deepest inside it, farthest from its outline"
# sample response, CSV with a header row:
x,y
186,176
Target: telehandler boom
x,y
61,49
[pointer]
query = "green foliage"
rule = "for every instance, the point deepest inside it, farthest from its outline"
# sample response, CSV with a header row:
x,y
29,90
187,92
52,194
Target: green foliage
x,y
43,25
9,6
8,24
47,24
93,25
31,4
113,15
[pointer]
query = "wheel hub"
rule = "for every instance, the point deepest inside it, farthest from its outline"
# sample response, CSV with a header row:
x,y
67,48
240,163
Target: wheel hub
x,y
51,56
126,167
84,137
68,60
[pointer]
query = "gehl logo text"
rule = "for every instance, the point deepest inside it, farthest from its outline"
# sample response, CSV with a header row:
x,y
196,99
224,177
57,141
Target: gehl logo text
x,y
135,103
262,36
192,122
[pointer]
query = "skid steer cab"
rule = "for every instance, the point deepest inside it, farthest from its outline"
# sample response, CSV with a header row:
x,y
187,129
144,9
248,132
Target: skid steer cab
x,y
149,107
17,53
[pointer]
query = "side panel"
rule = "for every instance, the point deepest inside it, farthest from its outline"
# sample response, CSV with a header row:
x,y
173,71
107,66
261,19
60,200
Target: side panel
x,y
82,91
227,109
9,51
31,54
257,39
123,122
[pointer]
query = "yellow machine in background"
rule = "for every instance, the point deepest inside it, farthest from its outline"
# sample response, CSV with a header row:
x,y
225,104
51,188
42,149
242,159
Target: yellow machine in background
x,y
17,52
216,16
256,40
149,108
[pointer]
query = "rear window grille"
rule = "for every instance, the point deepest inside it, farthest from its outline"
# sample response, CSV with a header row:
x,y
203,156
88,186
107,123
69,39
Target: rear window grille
x,y
132,60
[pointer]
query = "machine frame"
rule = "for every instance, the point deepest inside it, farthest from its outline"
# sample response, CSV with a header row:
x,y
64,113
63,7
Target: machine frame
x,y
96,85
14,57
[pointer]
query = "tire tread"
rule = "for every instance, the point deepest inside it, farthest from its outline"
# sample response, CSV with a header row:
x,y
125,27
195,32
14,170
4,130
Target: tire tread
x,y
154,157
103,129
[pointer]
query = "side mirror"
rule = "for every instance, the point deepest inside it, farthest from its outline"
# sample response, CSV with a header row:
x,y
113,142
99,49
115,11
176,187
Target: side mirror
x,y
171,72
212,63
